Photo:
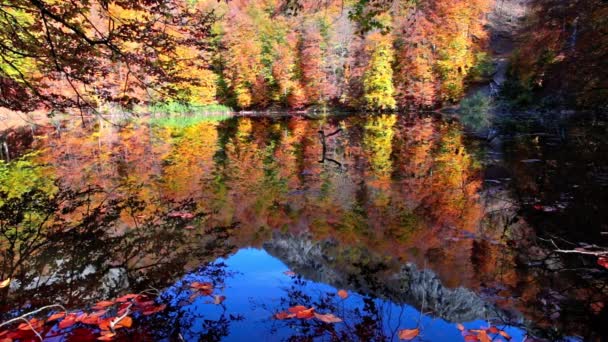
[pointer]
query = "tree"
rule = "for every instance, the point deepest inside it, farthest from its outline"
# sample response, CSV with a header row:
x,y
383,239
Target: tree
x,y
378,78
76,43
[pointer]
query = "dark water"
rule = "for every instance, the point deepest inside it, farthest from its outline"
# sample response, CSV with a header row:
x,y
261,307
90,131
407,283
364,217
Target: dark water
x,y
423,229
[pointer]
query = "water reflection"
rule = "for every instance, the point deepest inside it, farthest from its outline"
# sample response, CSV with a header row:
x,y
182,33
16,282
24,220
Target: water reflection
x,y
386,206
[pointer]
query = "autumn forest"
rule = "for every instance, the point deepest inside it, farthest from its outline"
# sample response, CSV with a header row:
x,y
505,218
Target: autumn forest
x,y
303,170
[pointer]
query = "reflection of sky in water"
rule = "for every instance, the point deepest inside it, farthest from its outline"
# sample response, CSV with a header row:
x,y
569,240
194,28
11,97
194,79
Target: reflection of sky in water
x,y
256,289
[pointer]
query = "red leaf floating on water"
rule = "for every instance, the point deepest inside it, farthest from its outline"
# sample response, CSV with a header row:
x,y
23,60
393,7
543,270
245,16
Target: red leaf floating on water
x,y
306,314
33,323
283,315
505,335
328,318
153,310
126,322
603,261
483,336
90,319
201,286
126,298
460,327
343,294
408,334
103,304
296,309
493,330
471,338
56,316
105,324
106,337
68,321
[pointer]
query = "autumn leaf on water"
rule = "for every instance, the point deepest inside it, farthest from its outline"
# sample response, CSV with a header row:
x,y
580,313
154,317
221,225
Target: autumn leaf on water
x,y
5,283
408,334
296,309
328,318
289,273
105,324
483,336
306,314
56,316
343,294
493,330
125,322
154,309
460,327
33,323
283,315
471,338
302,312
68,321
109,336
603,261
505,335
103,304
126,298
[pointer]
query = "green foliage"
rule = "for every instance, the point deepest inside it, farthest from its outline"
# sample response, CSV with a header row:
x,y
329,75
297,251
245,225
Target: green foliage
x,y
21,177
173,108
483,68
475,111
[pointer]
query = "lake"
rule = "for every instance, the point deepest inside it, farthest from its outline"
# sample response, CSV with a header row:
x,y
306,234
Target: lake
x,y
226,225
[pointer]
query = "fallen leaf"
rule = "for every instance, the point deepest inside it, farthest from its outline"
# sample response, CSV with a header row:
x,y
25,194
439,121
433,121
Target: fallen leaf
x,y
56,316
343,294
142,305
505,335
408,334
126,322
106,337
33,323
5,283
483,336
153,310
126,298
296,309
328,318
99,313
306,314
460,327
105,324
68,321
493,330
602,261
90,319
471,338
103,304
283,315
217,300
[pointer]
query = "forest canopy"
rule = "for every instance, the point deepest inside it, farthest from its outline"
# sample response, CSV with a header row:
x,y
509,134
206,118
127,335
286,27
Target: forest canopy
x,y
378,55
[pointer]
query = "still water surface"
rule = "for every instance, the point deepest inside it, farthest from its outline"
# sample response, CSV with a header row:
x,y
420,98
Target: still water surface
x,y
422,228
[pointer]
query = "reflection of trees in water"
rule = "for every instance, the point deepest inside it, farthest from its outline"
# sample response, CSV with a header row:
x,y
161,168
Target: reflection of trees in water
x,y
183,319
82,251
370,320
